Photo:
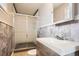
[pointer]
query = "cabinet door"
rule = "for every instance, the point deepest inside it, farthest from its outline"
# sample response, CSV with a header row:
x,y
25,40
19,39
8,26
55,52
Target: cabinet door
x,y
20,29
32,31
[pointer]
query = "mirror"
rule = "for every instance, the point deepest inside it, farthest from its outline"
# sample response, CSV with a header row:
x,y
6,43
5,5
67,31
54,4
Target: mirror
x,y
63,12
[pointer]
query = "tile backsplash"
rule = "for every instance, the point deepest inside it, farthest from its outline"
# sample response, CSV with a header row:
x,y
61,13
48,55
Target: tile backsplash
x,y
66,32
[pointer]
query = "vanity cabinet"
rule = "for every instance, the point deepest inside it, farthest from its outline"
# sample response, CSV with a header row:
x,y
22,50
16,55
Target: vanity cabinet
x,y
43,50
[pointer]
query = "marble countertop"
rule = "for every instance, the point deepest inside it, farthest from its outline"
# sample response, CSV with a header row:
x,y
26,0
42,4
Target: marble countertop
x,y
62,47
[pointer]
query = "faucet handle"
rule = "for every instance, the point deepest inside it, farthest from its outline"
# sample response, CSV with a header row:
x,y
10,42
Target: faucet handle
x,y
58,37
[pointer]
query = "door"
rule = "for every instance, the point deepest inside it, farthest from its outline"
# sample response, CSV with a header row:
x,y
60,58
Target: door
x,y
20,29
25,29
32,30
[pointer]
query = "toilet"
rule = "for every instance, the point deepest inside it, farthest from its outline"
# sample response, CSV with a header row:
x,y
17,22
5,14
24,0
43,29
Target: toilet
x,y
32,52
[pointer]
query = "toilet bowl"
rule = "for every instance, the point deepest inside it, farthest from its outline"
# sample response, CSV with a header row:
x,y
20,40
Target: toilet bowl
x,y
32,52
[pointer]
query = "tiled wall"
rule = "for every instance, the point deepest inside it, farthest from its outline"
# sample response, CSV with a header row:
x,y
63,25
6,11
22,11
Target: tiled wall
x,y
44,32
6,39
68,31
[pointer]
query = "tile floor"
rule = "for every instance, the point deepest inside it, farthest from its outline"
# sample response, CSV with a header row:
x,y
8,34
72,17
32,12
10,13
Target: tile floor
x,y
22,53
23,48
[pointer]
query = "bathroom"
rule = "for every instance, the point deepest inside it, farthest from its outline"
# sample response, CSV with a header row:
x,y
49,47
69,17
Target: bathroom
x,y
39,29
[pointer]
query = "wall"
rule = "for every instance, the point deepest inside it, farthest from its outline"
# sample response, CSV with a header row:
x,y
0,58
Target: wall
x,y
6,39
6,13
67,31
45,18
8,7
45,14
6,29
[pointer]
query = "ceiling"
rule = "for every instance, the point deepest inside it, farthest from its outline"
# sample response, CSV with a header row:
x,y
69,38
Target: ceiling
x,y
55,5
26,8
30,8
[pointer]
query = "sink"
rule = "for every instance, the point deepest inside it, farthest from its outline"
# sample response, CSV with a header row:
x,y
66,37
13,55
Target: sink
x,y
62,47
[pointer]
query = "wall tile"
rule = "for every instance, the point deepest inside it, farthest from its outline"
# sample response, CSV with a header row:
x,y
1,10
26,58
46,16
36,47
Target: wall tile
x,y
6,38
67,31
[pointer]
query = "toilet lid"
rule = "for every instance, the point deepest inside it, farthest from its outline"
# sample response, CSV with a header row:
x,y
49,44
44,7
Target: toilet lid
x,y
32,52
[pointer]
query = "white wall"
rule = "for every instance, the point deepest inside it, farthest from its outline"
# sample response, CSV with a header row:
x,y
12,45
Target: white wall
x,y
6,13
8,7
45,14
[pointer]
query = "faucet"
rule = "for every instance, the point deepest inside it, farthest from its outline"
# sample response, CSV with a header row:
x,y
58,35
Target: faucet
x,y
61,36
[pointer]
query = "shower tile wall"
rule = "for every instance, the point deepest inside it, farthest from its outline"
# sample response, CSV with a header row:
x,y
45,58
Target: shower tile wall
x,y
6,39
67,31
